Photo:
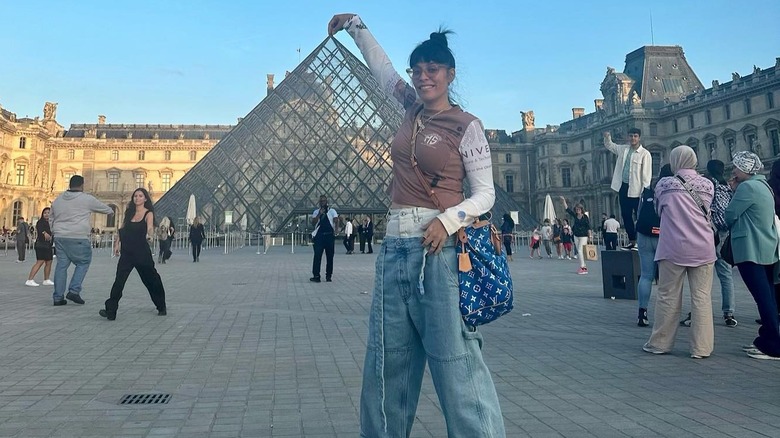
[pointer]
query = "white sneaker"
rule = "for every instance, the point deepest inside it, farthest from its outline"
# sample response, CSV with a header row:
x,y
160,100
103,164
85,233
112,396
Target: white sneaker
x,y
19,261
48,283
31,283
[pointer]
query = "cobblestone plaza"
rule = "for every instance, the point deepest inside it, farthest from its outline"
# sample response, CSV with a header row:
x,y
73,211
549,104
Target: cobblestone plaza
x,y
251,348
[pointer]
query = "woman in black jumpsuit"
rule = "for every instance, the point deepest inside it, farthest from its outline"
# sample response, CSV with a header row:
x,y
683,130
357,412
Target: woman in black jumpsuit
x,y
134,252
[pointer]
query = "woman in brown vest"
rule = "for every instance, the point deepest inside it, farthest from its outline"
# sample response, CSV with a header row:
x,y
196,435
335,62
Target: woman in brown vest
x,y
414,313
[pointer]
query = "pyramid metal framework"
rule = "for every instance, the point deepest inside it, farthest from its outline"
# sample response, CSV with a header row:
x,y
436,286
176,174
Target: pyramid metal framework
x,y
325,129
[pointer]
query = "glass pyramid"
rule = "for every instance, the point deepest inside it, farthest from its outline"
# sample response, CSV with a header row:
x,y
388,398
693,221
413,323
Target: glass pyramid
x,y
325,129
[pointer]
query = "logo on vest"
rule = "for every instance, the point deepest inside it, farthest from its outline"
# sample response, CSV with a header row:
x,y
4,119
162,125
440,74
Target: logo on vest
x,y
431,139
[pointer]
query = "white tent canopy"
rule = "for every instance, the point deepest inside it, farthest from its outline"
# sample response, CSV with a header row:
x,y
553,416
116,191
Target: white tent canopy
x,y
549,209
191,211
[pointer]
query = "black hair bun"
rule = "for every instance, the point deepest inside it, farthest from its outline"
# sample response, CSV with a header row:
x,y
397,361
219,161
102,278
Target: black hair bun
x,y
439,38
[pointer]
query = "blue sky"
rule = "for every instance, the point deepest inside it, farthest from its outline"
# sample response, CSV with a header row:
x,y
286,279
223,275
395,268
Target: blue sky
x,y
204,62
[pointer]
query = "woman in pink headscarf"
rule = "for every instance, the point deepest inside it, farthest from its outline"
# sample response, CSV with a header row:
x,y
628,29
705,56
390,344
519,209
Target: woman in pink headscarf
x,y
686,248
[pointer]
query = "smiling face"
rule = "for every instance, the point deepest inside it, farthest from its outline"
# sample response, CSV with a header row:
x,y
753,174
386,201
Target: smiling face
x,y
432,80
139,198
633,140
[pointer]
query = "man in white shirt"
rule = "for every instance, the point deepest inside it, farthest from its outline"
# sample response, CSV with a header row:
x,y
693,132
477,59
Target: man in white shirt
x,y
324,236
547,235
611,227
633,172
349,236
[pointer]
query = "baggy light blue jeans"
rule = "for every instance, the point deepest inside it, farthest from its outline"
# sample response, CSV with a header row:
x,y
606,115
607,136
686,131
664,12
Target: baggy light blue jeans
x,y
647,246
415,319
78,252
725,275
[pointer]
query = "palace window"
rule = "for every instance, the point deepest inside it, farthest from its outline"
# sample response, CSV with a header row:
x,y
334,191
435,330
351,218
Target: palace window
x,y
674,125
727,112
653,129
708,117
690,121
774,138
770,100
17,211
731,143
111,217
748,106
564,149
139,180
141,155
20,170
22,142
113,182
115,155
751,142
66,180
193,155
656,156
510,183
711,146
582,145
167,155
71,154
566,176
166,182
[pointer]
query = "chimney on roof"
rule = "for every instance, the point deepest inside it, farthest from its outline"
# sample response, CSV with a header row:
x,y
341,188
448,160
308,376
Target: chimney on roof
x,y
101,120
599,103
576,113
269,83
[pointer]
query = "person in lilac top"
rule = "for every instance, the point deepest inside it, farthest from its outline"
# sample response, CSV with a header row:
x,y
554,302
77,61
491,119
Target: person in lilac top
x,y
686,247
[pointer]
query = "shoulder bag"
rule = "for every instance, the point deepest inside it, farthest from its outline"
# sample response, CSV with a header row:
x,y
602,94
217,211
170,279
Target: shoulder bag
x,y
700,203
483,274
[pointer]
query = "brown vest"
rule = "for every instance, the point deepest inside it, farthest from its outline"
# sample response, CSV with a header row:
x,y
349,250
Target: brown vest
x,y
438,156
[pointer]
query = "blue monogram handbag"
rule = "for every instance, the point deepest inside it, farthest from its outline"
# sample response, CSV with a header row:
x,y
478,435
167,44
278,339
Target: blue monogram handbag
x,y
485,283
483,274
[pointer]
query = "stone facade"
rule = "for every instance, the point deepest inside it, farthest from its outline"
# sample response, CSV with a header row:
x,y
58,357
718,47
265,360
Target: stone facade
x,y
25,166
38,157
659,93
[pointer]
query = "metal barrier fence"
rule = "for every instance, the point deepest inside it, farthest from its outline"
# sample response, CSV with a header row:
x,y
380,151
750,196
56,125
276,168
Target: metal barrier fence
x,y
232,240
523,239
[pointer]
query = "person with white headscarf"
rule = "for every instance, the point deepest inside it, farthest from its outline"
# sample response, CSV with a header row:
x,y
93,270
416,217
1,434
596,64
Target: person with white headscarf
x,y
686,247
751,220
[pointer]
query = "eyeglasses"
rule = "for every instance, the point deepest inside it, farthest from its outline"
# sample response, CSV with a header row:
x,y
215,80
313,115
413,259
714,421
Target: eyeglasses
x,y
430,70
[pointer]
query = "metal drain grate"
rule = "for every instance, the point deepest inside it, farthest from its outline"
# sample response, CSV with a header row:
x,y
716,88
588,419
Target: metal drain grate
x,y
145,399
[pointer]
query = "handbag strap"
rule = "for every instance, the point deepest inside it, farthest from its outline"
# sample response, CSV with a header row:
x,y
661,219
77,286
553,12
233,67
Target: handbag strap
x,y
413,156
695,196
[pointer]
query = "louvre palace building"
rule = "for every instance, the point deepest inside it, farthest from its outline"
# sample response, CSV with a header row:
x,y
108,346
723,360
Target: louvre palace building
x,y
326,128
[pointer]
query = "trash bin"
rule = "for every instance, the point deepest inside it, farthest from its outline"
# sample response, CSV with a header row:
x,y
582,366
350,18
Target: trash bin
x,y
620,271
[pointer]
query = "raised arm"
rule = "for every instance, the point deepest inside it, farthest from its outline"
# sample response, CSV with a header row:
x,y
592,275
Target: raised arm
x,y
610,145
380,65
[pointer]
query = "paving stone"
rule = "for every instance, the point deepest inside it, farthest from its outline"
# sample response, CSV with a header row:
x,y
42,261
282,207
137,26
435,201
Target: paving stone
x,y
278,356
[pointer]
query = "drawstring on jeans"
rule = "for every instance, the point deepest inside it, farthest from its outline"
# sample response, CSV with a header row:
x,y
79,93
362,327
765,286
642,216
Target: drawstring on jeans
x,y
422,275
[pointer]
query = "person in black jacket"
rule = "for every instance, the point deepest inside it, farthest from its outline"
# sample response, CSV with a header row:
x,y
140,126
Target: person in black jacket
x,y
367,234
197,235
648,229
581,230
43,251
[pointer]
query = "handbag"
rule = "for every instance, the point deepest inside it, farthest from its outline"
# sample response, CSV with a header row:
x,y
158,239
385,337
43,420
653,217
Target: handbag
x,y
484,281
42,244
725,251
591,252
697,199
